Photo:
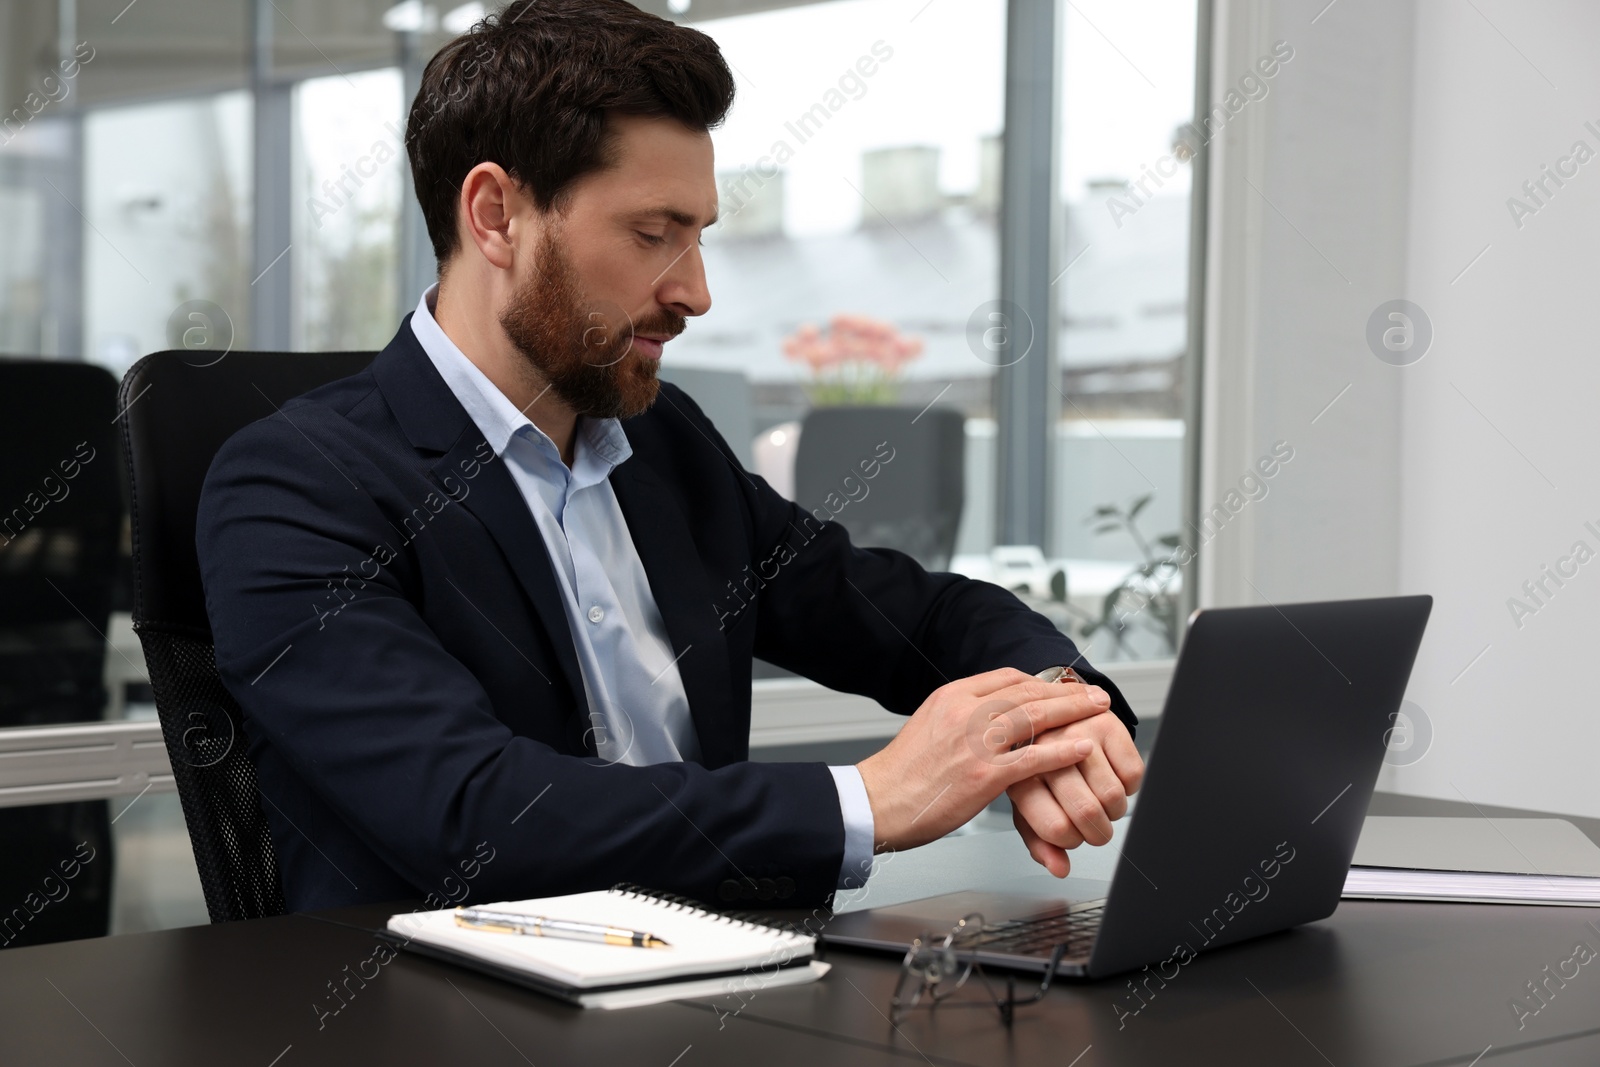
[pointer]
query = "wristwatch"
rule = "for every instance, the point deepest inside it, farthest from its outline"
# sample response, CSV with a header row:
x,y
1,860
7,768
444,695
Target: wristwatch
x,y
1060,674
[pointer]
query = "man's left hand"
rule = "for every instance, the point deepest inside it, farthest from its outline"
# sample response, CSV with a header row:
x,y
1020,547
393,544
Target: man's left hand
x,y
1060,810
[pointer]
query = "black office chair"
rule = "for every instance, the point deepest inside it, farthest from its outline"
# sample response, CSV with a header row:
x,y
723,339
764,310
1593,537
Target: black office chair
x,y
59,535
912,502
178,409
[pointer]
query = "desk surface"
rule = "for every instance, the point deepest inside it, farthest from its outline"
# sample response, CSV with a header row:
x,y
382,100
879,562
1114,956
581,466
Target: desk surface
x,y
1376,983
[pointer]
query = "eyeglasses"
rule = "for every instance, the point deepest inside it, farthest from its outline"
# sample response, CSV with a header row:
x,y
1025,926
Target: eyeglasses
x,y
933,970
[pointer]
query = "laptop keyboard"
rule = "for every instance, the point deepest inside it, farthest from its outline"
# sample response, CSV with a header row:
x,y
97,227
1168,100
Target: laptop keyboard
x,y
1039,937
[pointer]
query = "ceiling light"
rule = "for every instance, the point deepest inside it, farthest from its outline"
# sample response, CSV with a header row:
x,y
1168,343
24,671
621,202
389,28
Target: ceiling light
x,y
411,16
463,18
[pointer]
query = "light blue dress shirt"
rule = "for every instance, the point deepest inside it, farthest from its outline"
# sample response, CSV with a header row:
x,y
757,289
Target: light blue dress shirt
x,y
638,712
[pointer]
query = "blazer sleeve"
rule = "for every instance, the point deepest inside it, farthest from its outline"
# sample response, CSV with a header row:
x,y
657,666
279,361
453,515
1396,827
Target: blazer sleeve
x,y
399,740
873,621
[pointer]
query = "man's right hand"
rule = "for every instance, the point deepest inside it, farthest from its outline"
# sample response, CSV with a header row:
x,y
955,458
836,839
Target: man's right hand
x,y
970,741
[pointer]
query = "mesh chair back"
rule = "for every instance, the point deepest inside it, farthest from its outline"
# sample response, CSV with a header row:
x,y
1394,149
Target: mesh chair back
x,y
177,409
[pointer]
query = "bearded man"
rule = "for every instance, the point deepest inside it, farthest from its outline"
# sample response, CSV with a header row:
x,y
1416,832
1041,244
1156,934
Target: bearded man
x,y
466,598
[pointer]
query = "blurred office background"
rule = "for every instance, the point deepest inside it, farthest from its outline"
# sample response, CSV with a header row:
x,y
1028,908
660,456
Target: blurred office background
x,y
961,228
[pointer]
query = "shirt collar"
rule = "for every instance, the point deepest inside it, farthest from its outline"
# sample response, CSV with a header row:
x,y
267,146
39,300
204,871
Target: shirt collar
x,y
600,443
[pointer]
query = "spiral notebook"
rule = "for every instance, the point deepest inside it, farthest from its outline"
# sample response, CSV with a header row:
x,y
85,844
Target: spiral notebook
x,y
710,953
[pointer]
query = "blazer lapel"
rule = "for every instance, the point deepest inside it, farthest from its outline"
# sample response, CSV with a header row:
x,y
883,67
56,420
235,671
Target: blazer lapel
x,y
678,582
435,422
495,501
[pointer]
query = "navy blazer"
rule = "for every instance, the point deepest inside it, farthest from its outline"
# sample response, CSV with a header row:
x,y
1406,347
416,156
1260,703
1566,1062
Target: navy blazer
x,y
386,614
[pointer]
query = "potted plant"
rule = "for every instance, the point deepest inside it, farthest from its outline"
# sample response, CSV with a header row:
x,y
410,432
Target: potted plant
x,y
1145,600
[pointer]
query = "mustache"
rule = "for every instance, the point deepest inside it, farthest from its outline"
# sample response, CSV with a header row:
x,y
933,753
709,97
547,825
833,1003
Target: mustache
x,y
601,346
667,323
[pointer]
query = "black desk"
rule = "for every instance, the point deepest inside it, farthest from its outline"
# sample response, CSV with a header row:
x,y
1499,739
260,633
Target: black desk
x,y
1377,983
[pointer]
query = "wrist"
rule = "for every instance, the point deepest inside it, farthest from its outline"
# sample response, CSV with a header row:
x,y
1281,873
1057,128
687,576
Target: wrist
x,y
880,800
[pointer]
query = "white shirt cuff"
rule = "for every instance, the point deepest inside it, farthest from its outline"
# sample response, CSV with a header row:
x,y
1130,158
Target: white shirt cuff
x,y
857,811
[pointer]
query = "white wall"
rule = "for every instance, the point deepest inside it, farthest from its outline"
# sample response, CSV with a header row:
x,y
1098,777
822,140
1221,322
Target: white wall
x,y
1387,150
1307,236
1499,467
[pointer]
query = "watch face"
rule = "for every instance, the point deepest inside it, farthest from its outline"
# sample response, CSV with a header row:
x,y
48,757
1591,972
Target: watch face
x,y
1059,674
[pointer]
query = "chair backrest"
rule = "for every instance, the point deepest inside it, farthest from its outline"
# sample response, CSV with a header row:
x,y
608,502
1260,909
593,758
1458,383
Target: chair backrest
x,y
61,490
60,531
894,477
177,409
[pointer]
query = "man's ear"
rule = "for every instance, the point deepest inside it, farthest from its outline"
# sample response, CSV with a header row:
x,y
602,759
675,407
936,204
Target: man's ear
x,y
490,212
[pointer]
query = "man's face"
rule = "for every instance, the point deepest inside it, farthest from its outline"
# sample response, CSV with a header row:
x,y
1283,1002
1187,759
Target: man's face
x,y
617,273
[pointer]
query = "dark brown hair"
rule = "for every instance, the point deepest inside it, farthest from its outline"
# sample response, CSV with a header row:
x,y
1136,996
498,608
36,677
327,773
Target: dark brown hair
x,y
531,88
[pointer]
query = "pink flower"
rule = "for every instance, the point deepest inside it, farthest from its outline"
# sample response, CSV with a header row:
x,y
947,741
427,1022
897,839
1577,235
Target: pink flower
x,y
852,339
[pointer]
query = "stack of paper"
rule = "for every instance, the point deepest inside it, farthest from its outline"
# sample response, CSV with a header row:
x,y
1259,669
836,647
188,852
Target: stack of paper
x,y
1496,861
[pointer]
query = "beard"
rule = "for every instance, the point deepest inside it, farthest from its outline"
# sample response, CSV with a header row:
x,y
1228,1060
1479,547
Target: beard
x,y
583,351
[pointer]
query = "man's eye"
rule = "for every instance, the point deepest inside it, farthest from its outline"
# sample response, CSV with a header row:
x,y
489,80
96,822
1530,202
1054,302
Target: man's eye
x,y
651,238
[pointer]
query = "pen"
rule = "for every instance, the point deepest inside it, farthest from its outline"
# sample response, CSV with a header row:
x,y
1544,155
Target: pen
x,y
505,922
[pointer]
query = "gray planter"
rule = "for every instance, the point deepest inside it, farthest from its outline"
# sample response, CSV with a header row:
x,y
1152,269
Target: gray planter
x,y
890,475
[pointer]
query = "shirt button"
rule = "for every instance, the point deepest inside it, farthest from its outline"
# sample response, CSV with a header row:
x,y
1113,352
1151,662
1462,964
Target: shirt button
x,y
596,613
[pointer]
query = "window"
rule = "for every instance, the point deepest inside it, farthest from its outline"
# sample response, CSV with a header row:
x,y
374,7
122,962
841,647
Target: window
x,y
167,232
858,178
349,160
859,186
1127,96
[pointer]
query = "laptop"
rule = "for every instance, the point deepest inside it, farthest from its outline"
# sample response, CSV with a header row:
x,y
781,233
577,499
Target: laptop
x,y
1272,736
